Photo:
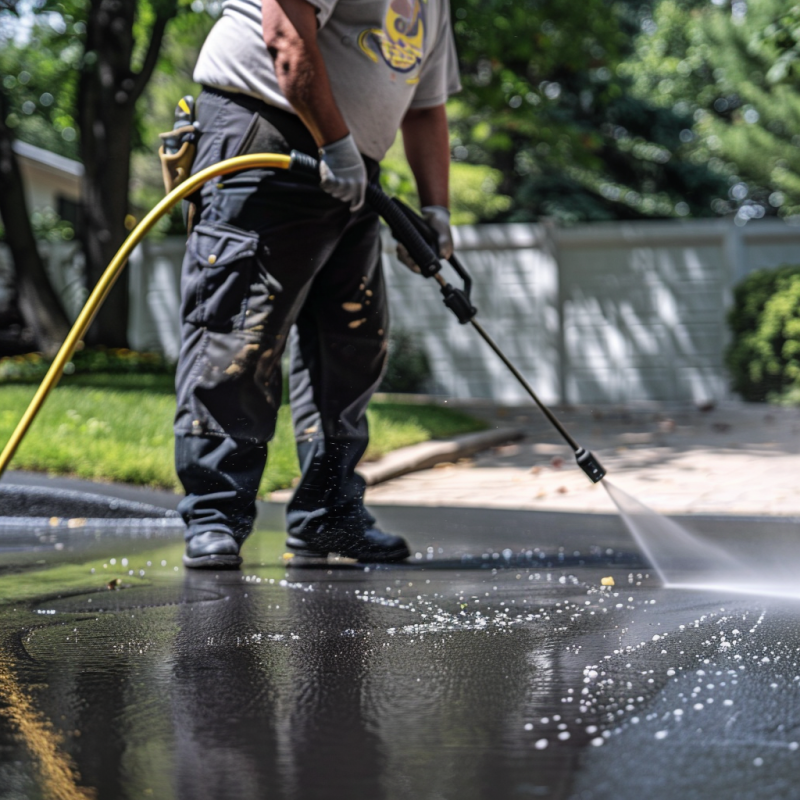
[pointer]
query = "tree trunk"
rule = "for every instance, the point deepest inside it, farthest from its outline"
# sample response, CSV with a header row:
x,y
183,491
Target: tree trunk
x,y
105,116
36,299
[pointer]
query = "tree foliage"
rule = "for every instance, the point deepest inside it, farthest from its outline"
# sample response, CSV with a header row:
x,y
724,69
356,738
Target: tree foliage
x,y
40,74
731,68
628,109
545,101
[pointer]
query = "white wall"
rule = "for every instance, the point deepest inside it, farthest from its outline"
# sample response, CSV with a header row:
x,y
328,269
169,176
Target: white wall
x,y
154,275
44,185
643,312
603,313
47,176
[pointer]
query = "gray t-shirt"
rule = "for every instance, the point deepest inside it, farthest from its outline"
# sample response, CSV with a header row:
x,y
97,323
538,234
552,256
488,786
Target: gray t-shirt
x,y
383,57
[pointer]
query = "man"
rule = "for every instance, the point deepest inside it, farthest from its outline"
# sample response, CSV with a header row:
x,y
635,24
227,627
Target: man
x,y
270,251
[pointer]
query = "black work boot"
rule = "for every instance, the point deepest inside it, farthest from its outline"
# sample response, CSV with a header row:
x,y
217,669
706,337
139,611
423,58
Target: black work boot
x,y
371,545
326,513
212,550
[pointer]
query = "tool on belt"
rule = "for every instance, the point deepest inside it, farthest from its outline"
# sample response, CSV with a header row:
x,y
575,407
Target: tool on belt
x,y
179,145
408,228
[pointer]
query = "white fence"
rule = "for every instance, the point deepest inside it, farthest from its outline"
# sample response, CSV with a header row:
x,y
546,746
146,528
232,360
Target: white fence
x,y
602,313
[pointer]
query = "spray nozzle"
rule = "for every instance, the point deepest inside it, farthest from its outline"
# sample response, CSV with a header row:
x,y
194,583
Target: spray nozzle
x,y
588,462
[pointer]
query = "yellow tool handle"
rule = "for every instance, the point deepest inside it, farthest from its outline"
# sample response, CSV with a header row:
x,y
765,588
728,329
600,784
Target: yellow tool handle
x,y
112,272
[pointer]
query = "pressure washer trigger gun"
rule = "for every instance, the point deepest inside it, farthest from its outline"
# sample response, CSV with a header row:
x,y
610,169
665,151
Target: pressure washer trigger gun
x,y
418,238
457,300
183,129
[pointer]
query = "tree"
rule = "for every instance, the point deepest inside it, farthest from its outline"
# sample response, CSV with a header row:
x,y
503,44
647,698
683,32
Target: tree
x,y
545,103
732,67
36,299
86,65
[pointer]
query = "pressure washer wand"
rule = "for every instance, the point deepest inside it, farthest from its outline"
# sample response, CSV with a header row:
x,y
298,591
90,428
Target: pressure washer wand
x,y
419,240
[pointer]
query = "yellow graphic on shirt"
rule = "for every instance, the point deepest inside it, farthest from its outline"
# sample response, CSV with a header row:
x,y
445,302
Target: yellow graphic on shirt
x,y
401,41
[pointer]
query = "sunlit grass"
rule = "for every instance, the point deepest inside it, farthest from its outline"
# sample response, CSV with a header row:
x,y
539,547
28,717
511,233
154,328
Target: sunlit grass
x,y
125,434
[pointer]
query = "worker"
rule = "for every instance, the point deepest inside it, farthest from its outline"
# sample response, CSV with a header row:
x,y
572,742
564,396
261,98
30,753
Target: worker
x,y
273,257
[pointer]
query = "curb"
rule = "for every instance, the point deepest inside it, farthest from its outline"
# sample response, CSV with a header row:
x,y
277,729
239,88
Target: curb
x,y
424,456
427,454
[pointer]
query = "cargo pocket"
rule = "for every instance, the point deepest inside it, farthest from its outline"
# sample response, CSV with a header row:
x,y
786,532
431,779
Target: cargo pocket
x,y
217,281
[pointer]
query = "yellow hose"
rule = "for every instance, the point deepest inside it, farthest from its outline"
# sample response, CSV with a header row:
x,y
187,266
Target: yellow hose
x,y
112,272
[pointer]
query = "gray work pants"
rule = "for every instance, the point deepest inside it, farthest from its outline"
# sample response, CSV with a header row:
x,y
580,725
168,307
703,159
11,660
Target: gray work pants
x,y
271,253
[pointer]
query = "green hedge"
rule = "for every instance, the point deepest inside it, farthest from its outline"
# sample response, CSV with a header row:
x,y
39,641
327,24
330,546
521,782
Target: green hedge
x,y
764,356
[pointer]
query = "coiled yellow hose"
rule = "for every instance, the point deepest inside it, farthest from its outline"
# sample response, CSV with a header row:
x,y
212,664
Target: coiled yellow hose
x,y
112,272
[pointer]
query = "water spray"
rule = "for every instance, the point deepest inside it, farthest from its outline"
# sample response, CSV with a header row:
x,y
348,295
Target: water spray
x,y
407,227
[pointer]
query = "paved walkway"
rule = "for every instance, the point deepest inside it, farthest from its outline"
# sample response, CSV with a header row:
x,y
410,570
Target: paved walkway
x,y
733,459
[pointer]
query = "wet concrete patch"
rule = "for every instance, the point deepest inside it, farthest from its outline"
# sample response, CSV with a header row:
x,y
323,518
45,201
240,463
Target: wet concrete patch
x,y
494,665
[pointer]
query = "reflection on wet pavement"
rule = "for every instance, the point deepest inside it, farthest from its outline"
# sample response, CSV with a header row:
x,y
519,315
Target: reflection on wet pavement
x,y
476,671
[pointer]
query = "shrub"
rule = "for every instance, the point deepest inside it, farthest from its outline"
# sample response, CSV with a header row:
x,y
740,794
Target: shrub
x,y
408,368
764,356
32,367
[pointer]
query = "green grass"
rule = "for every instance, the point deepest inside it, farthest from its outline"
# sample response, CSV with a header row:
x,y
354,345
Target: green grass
x,y
109,428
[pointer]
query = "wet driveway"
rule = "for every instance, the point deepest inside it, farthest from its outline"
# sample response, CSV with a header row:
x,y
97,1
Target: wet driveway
x,y
495,664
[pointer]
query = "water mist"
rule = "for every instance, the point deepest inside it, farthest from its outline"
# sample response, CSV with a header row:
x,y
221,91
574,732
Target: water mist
x,y
683,559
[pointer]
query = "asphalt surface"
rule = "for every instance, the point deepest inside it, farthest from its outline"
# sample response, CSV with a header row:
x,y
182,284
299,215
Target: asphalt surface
x,y
494,664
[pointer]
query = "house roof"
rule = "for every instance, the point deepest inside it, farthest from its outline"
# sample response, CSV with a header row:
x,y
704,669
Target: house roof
x,y
47,159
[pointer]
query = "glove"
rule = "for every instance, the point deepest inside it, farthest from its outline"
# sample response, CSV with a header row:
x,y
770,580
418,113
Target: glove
x,y
342,172
438,217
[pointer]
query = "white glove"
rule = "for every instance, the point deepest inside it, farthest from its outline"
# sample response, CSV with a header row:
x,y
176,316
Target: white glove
x,y
438,217
342,172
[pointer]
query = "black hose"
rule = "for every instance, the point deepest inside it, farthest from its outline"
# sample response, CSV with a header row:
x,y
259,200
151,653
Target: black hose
x,y
403,230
